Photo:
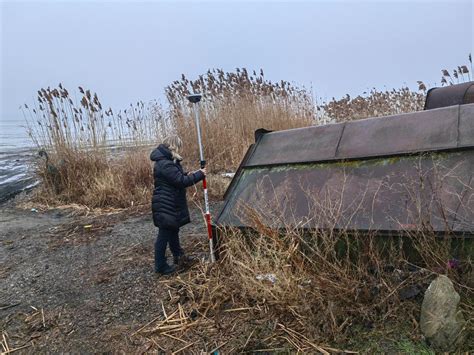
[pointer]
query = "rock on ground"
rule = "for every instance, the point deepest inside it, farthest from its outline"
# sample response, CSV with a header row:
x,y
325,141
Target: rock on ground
x,y
441,320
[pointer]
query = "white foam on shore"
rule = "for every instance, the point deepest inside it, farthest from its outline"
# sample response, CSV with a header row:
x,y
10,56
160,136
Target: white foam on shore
x,y
15,170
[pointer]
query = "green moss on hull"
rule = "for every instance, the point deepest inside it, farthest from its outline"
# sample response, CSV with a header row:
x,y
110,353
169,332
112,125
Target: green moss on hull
x,y
349,164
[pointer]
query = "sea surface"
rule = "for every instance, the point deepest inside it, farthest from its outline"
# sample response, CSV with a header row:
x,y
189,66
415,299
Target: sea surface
x,y
17,158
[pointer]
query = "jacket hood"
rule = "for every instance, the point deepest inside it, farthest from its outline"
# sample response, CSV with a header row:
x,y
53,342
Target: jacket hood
x,y
161,153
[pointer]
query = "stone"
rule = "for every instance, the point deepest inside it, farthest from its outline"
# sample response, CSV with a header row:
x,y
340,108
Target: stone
x,y
441,321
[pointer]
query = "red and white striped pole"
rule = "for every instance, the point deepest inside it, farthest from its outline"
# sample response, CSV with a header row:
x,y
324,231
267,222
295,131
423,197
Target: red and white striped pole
x,y
195,99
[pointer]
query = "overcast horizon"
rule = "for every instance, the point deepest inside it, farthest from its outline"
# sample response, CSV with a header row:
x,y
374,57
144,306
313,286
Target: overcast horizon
x,y
130,51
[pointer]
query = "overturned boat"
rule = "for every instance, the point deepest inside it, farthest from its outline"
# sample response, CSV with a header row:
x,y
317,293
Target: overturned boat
x,y
387,175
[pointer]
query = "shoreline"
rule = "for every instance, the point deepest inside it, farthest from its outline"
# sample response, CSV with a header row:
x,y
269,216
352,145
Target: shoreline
x,y
16,175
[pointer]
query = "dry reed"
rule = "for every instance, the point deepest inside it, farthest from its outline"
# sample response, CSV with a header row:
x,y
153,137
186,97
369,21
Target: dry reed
x,y
306,290
99,158
233,107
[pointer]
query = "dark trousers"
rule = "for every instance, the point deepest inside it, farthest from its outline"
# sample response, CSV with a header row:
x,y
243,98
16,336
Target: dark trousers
x,y
166,236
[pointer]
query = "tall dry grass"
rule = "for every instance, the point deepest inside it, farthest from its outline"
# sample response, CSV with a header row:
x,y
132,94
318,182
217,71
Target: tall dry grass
x,y
311,291
375,103
99,157
460,74
234,105
316,290
94,157
389,102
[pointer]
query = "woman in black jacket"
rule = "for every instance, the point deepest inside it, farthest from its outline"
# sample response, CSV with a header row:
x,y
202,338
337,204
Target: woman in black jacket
x,y
169,205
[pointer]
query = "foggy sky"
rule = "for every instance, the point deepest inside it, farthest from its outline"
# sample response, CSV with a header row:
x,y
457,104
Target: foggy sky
x,y
129,51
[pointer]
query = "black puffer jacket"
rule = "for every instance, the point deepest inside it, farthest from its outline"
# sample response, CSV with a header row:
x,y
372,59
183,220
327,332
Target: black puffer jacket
x,y
169,205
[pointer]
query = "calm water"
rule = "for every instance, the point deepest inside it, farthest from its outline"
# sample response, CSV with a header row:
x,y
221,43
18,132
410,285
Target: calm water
x,y
16,157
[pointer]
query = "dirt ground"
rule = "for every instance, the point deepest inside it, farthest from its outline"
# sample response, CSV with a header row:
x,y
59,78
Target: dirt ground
x,y
81,283
84,283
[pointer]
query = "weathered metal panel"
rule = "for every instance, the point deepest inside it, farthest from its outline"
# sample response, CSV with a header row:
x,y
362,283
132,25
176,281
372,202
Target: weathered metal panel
x,y
466,126
239,170
297,145
450,95
387,194
401,134
384,136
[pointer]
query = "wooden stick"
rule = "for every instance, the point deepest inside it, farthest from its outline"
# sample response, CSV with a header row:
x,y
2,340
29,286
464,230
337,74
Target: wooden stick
x,y
181,312
9,306
173,337
146,325
5,342
238,309
182,328
42,316
170,316
294,334
205,312
163,308
291,342
262,350
164,328
158,345
179,320
334,350
183,348
220,346
248,339
16,349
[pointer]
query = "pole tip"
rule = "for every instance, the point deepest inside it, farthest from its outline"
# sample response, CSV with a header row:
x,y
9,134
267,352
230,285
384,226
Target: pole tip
x,y
194,98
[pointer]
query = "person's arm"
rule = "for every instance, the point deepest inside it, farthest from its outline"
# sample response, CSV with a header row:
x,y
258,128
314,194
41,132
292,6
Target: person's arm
x,y
175,177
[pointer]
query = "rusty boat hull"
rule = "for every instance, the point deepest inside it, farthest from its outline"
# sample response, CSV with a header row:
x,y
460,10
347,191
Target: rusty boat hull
x,y
390,175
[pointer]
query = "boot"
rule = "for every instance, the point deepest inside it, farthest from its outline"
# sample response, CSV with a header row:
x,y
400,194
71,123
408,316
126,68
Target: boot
x,y
166,270
183,261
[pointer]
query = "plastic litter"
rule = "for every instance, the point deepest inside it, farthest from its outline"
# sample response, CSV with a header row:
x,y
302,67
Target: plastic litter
x,y
267,277
228,175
